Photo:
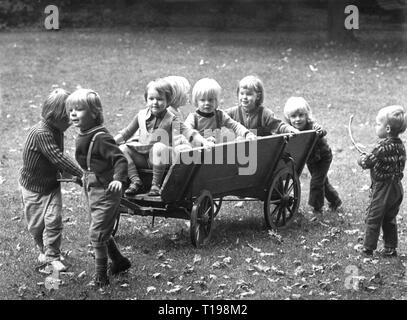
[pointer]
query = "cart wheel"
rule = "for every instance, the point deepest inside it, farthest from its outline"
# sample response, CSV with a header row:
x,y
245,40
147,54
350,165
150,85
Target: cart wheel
x,y
283,199
116,225
202,215
217,204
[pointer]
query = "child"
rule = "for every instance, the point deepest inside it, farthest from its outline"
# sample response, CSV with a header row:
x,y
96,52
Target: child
x,y
298,113
180,91
106,171
251,113
208,119
43,160
158,127
386,163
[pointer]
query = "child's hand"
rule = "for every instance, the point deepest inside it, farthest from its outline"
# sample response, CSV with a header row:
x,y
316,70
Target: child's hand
x,y
362,159
115,186
78,181
207,144
251,136
211,139
294,130
119,139
318,129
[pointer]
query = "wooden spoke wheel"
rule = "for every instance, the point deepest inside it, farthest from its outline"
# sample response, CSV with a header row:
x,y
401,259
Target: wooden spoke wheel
x,y
202,215
283,199
217,204
116,225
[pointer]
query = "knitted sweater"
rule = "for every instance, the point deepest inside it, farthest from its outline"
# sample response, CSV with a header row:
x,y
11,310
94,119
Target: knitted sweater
x,y
386,161
43,158
262,119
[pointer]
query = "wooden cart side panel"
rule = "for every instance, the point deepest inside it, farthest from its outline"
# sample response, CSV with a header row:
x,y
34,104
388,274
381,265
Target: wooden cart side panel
x,y
299,148
221,169
224,168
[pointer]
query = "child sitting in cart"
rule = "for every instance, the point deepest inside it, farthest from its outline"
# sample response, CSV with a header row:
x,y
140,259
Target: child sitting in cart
x,y
105,172
386,163
251,113
150,147
180,92
208,119
298,113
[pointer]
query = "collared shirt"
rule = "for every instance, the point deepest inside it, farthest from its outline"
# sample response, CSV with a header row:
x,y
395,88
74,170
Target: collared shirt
x,y
43,158
386,161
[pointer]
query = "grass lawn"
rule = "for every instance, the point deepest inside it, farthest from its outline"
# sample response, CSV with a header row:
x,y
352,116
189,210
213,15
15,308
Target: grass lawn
x,y
313,260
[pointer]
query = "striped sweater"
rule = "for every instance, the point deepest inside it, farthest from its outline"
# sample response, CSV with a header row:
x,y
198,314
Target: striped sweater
x,y
386,161
43,158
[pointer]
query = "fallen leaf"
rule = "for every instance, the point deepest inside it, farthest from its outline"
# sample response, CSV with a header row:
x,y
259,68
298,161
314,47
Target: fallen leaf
x,y
352,232
267,254
176,289
151,289
247,293
197,258
261,268
254,248
312,68
227,260
156,275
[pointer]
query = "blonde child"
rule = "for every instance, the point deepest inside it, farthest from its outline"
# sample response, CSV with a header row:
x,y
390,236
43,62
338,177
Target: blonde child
x,y
251,113
386,163
208,119
105,172
298,114
150,148
180,91
43,160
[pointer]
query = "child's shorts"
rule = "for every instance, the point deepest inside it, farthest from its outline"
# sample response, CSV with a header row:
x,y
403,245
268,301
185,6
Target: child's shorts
x,y
104,208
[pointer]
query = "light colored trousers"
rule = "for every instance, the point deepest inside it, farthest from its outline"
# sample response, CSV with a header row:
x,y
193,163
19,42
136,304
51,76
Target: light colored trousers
x,y
43,213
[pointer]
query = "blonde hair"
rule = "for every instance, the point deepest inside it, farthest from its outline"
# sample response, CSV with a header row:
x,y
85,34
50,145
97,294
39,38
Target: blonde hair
x,y
88,98
255,84
163,87
295,104
206,87
180,90
53,108
395,118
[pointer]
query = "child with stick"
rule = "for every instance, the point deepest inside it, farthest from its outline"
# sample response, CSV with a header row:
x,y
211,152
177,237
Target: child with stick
x,y
386,163
105,172
298,113
43,160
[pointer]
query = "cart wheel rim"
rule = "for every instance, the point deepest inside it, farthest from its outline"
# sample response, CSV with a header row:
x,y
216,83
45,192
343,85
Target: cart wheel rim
x,y
282,200
202,216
